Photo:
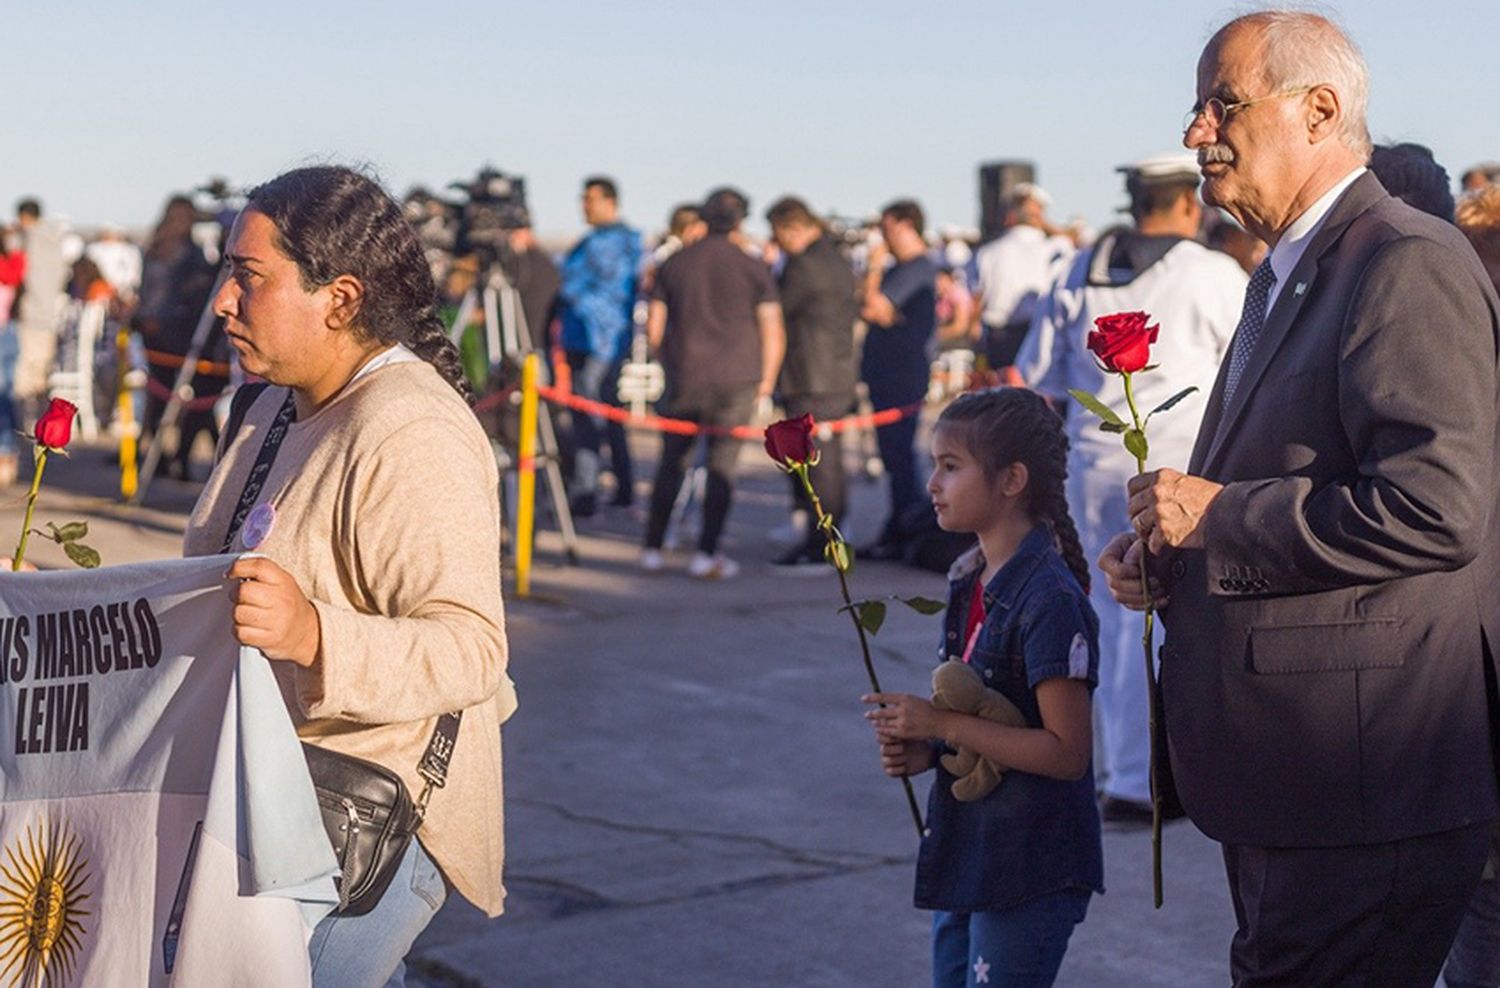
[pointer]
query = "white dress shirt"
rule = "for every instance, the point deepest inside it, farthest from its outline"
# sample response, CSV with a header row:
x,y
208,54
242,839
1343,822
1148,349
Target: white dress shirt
x,y
1293,243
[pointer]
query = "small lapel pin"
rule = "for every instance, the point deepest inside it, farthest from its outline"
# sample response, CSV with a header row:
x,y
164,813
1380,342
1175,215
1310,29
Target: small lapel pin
x,y
1301,288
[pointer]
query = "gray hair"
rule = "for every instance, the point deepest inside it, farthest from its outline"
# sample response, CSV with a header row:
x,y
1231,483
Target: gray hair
x,y
1305,50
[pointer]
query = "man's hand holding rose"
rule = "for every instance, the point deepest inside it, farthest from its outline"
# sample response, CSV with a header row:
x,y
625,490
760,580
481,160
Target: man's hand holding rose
x,y
1167,509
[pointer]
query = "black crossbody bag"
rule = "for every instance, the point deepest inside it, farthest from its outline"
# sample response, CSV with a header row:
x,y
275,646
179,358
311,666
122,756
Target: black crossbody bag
x,y
367,810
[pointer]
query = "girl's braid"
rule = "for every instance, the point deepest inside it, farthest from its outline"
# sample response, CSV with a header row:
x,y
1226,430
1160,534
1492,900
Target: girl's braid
x,y
1051,503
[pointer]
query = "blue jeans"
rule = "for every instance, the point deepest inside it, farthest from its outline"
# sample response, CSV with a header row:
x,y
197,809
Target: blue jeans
x,y
1021,947
366,951
596,378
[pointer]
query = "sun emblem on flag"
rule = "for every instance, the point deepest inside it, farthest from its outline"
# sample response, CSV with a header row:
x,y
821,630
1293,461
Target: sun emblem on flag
x,y
42,894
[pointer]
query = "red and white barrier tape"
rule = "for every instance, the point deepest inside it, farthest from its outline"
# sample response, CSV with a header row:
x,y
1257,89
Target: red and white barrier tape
x,y
682,427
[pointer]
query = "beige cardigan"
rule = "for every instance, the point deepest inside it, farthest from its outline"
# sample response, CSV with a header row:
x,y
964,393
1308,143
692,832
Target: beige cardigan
x,y
387,514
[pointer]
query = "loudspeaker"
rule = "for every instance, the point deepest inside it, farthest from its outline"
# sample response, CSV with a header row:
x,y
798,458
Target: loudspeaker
x,y
996,180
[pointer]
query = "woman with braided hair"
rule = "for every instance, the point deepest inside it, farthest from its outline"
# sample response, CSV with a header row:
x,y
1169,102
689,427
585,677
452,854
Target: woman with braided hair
x,y
1009,874
375,588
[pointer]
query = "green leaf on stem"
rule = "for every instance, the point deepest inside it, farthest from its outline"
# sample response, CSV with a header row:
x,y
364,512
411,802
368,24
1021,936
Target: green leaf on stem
x,y
871,614
1135,441
71,532
923,605
1170,402
1115,427
81,554
1096,406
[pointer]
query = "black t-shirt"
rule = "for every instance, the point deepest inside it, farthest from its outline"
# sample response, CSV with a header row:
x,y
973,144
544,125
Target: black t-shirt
x,y
537,281
711,290
817,301
895,363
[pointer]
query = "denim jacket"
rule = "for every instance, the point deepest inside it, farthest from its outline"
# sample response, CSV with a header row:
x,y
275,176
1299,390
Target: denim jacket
x,y
1033,835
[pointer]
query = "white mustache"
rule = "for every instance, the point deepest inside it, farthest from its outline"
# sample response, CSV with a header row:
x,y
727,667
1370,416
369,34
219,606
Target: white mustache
x,y
1215,154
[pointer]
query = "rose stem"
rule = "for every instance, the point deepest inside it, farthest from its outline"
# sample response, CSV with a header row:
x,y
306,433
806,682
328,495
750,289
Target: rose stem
x,y
1152,698
36,486
825,524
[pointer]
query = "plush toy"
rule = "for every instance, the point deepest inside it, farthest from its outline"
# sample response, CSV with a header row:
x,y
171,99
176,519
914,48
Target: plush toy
x,y
957,686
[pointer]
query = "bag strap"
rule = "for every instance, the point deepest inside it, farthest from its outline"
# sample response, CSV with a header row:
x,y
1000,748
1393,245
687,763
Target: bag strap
x,y
262,468
433,768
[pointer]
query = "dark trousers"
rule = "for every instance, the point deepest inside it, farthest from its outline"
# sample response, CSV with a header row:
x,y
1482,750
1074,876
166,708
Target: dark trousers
x,y
191,421
1002,343
1369,915
828,476
721,409
897,444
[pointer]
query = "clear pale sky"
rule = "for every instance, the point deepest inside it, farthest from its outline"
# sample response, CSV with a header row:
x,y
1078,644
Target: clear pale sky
x,y
112,106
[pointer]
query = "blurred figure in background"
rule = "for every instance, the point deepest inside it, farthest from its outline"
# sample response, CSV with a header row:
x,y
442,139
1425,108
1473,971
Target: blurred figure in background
x,y
118,260
1485,173
818,375
12,273
1228,237
41,304
1195,295
1015,269
176,281
716,322
536,278
598,295
1478,216
900,308
684,227
955,309
1410,173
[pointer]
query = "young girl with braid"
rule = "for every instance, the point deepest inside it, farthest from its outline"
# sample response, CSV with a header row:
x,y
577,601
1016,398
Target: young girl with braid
x,y
1009,875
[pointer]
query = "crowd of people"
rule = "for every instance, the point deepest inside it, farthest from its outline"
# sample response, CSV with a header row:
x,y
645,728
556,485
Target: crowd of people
x,y
1317,515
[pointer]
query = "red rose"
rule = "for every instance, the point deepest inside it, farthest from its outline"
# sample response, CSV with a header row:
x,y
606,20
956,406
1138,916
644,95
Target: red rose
x,y
790,442
55,428
1123,341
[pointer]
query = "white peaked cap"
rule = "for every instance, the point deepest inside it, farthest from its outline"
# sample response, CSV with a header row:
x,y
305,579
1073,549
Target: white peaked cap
x,y
1030,190
1169,165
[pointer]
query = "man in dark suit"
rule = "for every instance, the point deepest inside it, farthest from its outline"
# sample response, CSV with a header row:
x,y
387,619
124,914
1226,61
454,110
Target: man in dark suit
x,y
1330,563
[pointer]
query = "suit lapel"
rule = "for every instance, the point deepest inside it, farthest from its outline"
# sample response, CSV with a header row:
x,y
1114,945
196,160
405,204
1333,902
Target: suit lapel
x,y
1359,197
1212,413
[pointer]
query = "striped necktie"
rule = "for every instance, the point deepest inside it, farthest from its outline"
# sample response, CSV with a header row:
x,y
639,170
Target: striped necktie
x,y
1252,318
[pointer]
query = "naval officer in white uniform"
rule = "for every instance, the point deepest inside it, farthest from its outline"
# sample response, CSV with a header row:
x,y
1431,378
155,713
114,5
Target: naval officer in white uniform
x,y
1195,294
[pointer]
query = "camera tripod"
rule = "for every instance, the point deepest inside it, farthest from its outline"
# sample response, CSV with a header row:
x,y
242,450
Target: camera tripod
x,y
182,391
506,333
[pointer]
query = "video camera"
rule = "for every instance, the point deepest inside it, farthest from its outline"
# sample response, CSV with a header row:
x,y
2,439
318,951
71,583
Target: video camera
x,y
494,203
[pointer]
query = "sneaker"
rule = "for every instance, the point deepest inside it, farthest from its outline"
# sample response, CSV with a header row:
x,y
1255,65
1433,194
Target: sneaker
x,y
584,505
715,567
800,562
651,561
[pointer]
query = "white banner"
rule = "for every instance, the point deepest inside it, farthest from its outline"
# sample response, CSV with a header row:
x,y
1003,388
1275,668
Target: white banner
x,y
157,823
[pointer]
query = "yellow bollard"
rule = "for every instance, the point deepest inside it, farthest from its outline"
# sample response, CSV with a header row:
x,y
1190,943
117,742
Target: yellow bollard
x,y
526,477
125,409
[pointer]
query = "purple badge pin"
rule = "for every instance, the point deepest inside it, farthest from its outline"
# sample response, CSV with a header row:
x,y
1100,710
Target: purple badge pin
x,y
257,525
